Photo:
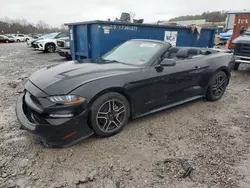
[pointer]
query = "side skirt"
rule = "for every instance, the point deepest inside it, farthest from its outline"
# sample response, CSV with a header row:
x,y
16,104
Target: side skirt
x,y
170,106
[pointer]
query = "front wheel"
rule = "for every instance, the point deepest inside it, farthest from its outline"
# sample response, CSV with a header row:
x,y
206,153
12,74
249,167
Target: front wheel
x,y
109,114
217,86
51,48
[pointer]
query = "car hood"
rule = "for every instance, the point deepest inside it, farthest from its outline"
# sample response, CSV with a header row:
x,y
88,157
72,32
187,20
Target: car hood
x,y
226,34
243,39
35,40
63,78
46,40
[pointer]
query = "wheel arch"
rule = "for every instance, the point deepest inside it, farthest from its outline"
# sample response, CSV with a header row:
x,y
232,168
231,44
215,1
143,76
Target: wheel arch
x,y
49,44
225,70
119,90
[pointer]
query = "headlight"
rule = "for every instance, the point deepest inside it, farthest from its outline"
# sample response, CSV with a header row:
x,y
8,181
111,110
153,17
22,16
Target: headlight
x,y
66,99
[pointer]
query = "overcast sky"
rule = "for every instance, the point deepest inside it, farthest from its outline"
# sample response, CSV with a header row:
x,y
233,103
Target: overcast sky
x,y
57,12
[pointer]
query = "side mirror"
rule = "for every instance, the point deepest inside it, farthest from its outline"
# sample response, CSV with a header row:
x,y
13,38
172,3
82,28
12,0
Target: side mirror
x,y
168,63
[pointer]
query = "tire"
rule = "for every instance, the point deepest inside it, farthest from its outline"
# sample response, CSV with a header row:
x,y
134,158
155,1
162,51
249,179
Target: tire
x,y
217,86
109,114
236,66
68,58
18,40
51,48
6,41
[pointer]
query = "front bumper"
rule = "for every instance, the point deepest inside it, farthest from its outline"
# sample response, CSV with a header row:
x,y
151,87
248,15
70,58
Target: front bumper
x,y
63,132
242,59
33,45
39,46
64,52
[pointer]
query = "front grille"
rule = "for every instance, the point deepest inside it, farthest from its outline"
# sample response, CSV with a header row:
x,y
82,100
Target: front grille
x,y
60,44
33,116
35,100
242,50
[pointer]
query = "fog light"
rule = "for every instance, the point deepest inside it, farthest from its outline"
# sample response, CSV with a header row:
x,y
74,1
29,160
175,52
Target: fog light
x,y
61,115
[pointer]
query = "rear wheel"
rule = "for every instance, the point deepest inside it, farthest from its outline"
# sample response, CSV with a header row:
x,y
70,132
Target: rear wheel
x,y
18,40
217,86
6,41
109,114
236,66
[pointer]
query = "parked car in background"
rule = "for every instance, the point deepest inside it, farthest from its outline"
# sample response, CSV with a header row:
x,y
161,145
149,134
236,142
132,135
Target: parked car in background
x,y
6,39
19,37
34,36
49,44
27,37
226,35
65,103
11,39
11,36
31,42
220,29
242,49
63,48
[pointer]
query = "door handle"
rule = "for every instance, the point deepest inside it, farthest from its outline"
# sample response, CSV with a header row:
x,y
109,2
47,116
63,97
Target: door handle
x,y
196,67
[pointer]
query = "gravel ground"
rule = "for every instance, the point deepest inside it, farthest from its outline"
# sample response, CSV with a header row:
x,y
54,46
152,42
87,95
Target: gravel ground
x,y
211,137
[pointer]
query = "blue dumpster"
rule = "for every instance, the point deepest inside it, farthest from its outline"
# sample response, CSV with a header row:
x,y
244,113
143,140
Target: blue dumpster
x,y
95,38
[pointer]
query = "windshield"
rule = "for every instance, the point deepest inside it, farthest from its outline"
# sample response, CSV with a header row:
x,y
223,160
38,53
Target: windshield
x,y
133,52
61,35
49,36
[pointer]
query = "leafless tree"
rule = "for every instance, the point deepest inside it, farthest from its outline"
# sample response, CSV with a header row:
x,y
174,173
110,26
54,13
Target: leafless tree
x,y
23,26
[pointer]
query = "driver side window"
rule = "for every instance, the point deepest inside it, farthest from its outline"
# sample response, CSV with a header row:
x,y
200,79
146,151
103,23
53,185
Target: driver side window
x,y
163,56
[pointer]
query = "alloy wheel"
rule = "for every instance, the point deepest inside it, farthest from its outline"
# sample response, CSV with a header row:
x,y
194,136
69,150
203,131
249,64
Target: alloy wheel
x,y
111,116
219,85
50,48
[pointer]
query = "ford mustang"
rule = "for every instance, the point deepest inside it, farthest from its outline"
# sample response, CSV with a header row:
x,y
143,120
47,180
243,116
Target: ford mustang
x,y
65,103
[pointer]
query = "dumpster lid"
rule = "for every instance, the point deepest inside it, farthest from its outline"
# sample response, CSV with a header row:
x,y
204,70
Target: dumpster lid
x,y
128,23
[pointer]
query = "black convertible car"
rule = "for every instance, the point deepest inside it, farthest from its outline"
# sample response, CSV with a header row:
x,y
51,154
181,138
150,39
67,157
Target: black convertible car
x,y
66,103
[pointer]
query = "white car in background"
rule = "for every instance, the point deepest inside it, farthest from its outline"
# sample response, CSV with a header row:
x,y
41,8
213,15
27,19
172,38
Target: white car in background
x,y
32,42
19,37
49,44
